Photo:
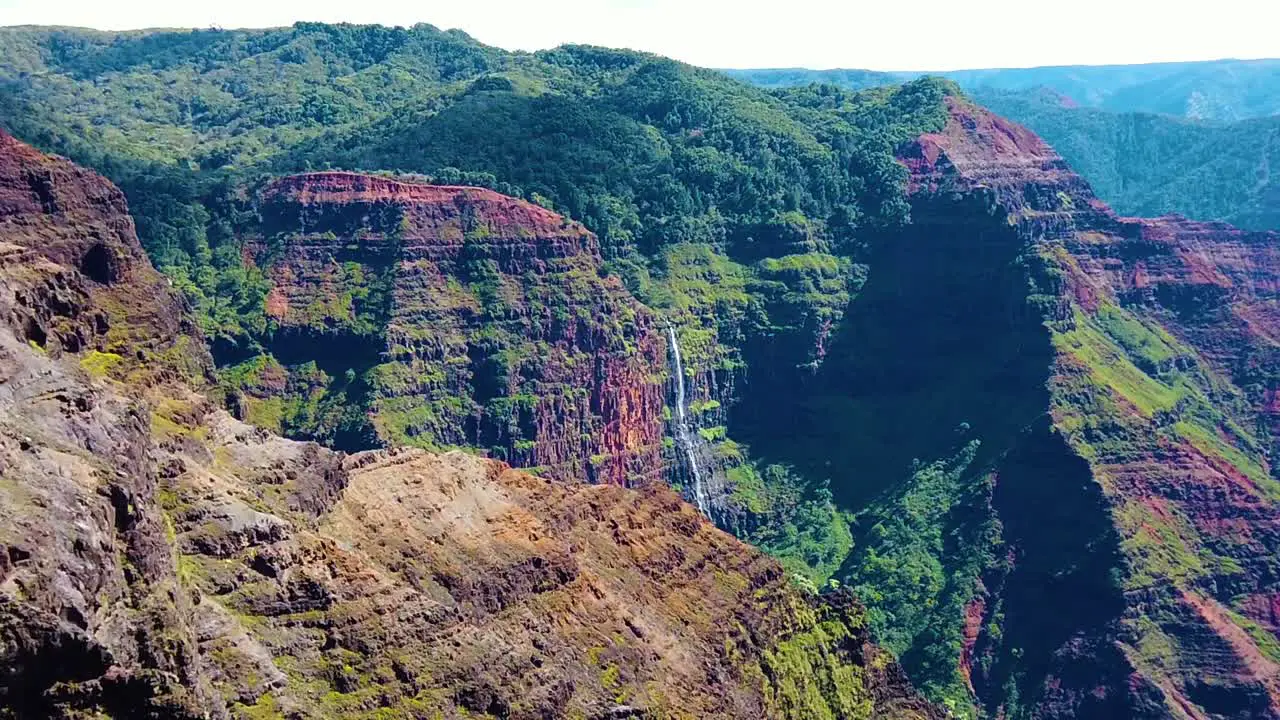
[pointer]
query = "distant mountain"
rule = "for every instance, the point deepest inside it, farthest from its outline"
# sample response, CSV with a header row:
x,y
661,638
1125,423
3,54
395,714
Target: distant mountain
x,y
792,77
1197,139
1147,164
1224,90
1216,90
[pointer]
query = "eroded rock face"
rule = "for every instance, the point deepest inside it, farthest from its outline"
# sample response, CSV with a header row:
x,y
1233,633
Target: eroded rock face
x,y
91,612
1162,381
466,318
159,558
448,581
76,277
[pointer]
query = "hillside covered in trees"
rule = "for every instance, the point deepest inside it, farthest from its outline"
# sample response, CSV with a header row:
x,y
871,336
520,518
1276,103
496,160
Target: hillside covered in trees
x,y
738,214
1196,139
1146,164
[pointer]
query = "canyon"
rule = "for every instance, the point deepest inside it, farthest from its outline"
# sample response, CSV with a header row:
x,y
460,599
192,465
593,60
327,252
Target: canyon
x,y
162,559
1135,473
474,437
1119,371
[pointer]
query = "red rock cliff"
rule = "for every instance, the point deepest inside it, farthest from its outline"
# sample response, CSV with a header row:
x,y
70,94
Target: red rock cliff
x,y
479,320
78,278
1164,379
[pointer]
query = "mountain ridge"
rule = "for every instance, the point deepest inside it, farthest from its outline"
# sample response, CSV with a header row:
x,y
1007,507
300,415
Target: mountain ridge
x,y
1208,162
1226,89
1114,291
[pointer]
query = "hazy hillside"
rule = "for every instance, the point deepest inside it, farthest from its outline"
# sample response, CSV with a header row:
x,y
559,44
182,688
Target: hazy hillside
x,y
792,77
1223,90
1146,164
1132,130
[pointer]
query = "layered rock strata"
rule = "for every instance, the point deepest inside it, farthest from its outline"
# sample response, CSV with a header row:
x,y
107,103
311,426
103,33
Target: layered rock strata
x,y
1160,338
159,558
469,319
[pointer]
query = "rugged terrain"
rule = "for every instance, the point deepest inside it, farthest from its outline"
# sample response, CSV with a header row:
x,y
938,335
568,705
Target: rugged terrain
x,y
1146,164
1196,139
162,559
433,316
1128,368
894,339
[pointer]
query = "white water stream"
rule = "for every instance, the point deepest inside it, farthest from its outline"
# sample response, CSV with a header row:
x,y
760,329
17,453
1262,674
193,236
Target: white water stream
x,y
684,437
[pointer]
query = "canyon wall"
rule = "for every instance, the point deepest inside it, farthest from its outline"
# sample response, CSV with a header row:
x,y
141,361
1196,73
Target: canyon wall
x,y
159,558
1152,596
1032,396
455,316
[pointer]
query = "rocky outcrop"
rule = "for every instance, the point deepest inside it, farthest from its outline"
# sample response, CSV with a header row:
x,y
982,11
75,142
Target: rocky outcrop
x,y
159,558
76,278
1161,380
452,582
91,612
466,318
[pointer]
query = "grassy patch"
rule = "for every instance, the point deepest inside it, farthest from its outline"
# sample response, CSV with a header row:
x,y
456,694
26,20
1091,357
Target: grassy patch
x,y
100,364
807,681
1213,444
1109,365
1155,647
1159,549
1267,643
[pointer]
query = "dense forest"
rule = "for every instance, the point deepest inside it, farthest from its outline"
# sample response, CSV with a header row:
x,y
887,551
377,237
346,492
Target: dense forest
x,y
1146,164
1196,139
647,152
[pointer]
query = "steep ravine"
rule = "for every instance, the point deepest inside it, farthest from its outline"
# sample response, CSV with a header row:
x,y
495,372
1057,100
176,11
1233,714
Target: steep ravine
x,y
1135,512
944,356
1036,438
1054,428
1050,426
159,558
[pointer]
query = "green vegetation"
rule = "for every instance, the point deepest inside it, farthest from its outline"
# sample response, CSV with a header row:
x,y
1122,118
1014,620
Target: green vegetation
x,y
650,154
733,210
799,525
1162,548
1147,165
808,681
917,567
1198,139
1265,640
300,401
1111,365
769,227
1210,440
739,213
1136,401
100,364
647,152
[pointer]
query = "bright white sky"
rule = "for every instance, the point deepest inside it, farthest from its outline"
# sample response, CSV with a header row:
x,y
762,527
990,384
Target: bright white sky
x,y
877,34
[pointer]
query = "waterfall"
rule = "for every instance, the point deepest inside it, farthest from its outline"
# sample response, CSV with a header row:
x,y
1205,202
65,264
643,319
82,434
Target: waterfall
x,y
684,437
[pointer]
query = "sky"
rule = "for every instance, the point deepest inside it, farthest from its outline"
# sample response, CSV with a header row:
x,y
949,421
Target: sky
x,y
880,35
